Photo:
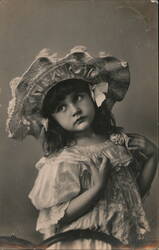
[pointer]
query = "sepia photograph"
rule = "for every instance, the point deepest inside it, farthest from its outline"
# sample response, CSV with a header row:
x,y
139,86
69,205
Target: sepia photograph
x,y
79,125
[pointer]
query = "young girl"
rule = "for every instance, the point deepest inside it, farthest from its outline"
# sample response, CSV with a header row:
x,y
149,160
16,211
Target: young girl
x,y
93,176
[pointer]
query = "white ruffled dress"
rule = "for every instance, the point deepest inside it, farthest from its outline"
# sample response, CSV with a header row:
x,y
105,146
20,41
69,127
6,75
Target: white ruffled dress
x,y
63,176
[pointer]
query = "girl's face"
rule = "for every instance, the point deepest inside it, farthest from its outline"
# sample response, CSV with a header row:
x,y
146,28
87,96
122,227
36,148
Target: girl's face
x,y
76,112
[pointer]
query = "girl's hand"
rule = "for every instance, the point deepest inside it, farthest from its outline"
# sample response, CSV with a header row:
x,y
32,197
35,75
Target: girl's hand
x,y
141,143
85,201
99,175
150,152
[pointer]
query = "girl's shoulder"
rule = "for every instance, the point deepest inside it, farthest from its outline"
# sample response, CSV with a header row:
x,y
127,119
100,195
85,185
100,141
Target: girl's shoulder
x,y
69,155
45,160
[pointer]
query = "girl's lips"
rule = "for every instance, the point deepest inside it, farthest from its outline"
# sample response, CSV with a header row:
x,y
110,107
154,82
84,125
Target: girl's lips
x,y
79,120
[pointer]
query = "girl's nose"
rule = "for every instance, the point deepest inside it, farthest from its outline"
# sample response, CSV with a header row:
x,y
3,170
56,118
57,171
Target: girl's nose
x,y
75,110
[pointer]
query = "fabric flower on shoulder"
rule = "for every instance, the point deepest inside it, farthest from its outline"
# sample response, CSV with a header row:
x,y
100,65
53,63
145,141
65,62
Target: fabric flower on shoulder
x,y
120,139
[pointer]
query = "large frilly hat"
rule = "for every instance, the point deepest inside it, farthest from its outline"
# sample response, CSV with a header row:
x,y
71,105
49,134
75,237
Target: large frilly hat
x,y
29,90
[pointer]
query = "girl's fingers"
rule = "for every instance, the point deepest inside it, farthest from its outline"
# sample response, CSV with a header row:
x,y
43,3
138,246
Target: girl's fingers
x,y
141,143
137,142
94,169
95,175
135,135
104,167
103,163
99,174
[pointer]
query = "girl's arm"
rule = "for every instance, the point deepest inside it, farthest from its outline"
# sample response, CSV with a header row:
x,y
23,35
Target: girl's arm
x,y
85,201
150,152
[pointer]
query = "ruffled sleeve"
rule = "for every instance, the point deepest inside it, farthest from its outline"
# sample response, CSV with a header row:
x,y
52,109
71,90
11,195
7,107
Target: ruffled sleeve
x,y
57,182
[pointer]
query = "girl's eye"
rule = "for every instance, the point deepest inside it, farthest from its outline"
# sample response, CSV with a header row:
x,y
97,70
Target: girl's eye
x,y
61,108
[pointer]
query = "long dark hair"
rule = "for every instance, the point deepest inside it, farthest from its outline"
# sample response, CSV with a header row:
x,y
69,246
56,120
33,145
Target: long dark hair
x,y
56,137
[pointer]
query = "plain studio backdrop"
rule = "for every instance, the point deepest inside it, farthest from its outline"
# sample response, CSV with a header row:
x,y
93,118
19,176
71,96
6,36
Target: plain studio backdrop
x,y
124,29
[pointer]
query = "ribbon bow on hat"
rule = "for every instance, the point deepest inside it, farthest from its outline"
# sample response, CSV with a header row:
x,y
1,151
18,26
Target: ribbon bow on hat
x,y
107,76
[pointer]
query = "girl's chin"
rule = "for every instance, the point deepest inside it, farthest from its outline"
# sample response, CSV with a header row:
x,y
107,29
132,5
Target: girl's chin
x,y
82,126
